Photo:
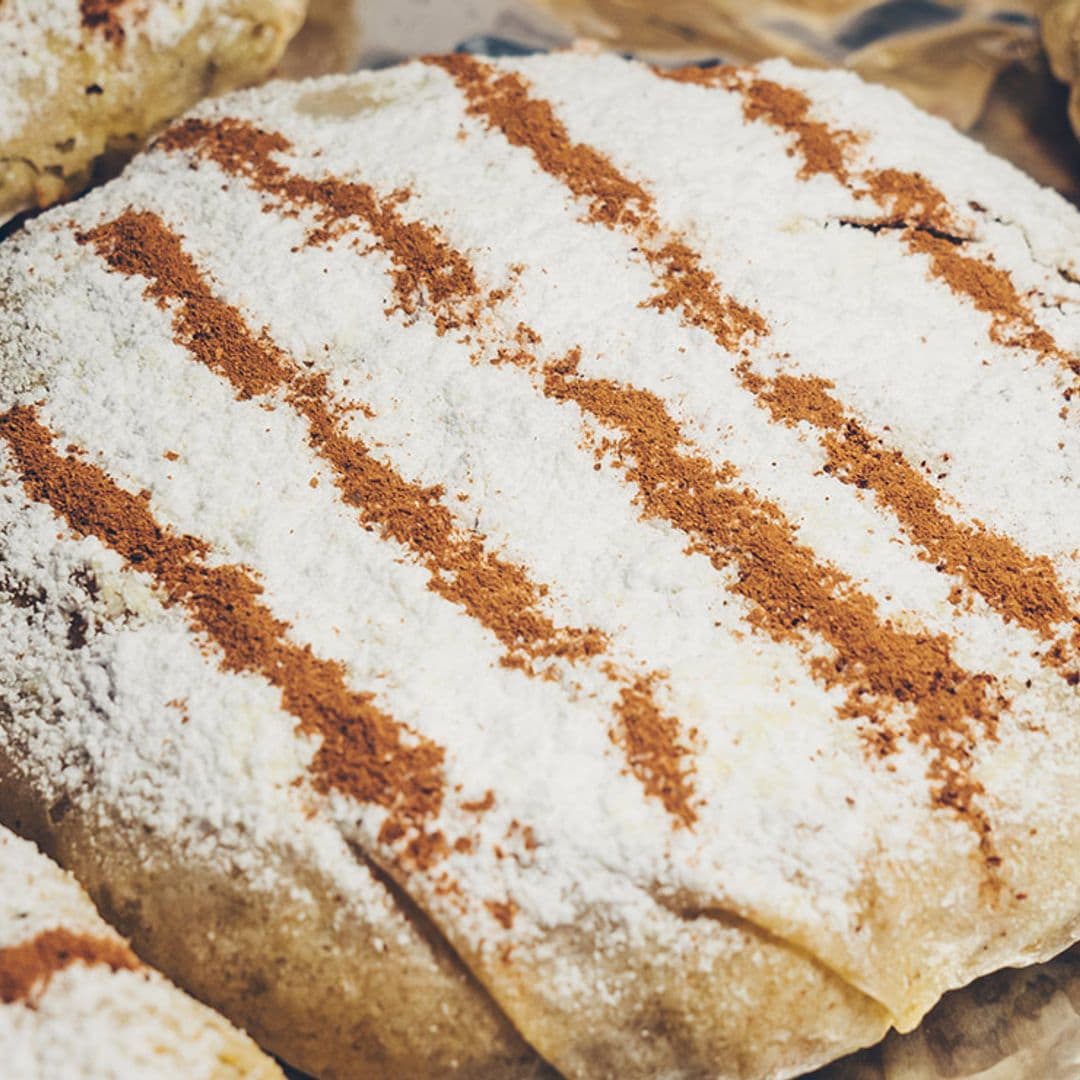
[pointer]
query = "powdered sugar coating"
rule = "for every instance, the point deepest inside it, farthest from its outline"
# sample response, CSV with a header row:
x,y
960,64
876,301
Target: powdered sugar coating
x,y
799,830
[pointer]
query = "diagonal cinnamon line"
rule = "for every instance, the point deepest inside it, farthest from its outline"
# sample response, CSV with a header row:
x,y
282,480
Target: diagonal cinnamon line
x,y
912,204
497,593
500,595
654,748
503,100
363,751
1021,588
990,290
822,149
27,969
427,272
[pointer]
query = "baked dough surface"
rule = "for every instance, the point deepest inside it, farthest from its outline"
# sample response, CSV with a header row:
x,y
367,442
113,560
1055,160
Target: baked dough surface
x,y
490,578
84,83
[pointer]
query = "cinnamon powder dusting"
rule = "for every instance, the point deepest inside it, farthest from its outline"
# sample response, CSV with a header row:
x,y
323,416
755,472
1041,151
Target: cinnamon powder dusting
x,y
929,228
688,287
890,675
104,16
426,270
654,751
887,672
992,291
1023,589
910,198
503,911
480,806
363,752
498,594
910,201
821,148
27,969
503,100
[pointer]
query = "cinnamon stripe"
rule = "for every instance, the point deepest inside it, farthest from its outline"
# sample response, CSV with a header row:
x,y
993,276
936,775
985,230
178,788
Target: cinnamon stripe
x,y
654,748
502,99
27,969
1021,588
427,272
911,203
500,595
822,149
897,681
363,752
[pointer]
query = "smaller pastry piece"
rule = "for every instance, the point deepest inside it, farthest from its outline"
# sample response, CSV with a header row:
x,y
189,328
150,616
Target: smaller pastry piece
x,y
1061,36
76,1002
83,82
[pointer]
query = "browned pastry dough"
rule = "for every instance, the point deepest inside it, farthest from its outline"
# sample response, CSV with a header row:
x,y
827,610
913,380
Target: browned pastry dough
x,y
83,82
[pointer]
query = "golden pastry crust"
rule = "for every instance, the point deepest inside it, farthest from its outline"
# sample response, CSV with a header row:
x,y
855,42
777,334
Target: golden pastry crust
x,y
339,991
100,81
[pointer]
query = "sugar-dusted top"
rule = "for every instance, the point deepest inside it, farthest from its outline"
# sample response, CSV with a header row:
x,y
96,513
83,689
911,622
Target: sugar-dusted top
x,y
594,493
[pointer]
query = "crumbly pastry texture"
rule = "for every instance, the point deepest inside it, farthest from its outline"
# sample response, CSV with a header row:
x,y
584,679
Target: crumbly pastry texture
x,y
83,82
551,554
76,1002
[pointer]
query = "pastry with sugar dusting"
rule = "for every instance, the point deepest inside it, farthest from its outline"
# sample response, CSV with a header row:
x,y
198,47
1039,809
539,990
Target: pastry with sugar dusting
x,y
76,1002
496,584
83,82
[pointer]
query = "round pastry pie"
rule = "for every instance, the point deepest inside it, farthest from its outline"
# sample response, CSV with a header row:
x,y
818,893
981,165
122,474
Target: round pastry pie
x,y
75,1001
85,81
551,563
